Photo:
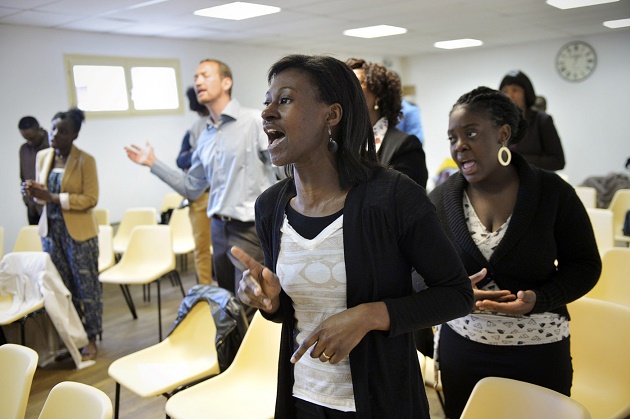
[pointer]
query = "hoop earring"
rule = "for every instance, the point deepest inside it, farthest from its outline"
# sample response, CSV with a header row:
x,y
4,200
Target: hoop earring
x,y
332,144
508,154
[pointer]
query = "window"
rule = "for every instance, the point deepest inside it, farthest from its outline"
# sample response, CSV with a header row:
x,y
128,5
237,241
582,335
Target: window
x,y
118,86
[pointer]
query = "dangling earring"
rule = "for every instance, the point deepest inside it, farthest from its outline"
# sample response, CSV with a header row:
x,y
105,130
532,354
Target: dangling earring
x,y
376,106
508,155
332,144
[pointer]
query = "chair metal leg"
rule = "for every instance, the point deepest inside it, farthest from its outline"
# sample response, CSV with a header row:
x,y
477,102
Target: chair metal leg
x,y
125,290
159,308
178,279
117,401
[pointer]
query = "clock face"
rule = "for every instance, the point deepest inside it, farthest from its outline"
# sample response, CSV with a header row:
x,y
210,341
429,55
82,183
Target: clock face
x,y
576,61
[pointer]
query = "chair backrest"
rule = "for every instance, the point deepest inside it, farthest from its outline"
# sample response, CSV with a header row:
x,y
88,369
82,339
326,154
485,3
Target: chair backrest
x,y
614,282
150,244
196,331
495,398
619,205
600,338
602,222
183,238
28,240
18,364
106,257
588,196
171,200
257,357
131,218
102,216
71,400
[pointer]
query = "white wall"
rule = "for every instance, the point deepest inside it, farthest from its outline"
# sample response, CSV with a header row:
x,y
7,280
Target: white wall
x,y
591,116
33,83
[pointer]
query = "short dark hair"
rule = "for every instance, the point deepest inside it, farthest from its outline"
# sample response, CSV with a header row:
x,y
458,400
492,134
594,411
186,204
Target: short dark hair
x,y
75,115
336,83
193,103
500,108
28,122
385,85
224,70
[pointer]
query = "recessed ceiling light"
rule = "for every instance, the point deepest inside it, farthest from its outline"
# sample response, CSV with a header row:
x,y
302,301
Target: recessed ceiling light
x,y
238,10
619,23
572,4
375,31
458,43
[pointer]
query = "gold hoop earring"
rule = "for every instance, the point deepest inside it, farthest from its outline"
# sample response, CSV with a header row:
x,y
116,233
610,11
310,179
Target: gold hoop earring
x,y
508,155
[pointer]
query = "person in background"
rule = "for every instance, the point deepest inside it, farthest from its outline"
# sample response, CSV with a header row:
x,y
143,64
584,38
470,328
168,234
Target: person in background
x,y
410,120
527,243
541,146
36,139
394,148
197,208
67,184
340,235
232,159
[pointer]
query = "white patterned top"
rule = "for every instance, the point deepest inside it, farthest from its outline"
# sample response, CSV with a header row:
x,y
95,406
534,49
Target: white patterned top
x,y
313,274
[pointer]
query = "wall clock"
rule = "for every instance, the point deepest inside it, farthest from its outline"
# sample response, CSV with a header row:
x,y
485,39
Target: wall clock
x,y
576,61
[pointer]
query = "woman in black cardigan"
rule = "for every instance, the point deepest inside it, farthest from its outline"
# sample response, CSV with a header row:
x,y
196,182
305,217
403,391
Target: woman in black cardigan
x,y
383,94
510,223
340,237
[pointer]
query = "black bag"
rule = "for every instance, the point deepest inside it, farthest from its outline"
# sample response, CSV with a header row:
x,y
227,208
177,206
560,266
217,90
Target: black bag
x,y
228,315
626,224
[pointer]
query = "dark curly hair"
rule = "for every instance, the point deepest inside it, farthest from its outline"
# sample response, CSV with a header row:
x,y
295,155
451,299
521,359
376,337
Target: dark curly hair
x,y
75,115
498,107
385,85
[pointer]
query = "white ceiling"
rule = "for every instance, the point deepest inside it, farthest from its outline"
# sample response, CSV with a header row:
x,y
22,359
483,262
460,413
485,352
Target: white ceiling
x,y
318,24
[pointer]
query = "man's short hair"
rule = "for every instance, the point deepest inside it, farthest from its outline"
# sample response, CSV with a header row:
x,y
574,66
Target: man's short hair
x,y
28,122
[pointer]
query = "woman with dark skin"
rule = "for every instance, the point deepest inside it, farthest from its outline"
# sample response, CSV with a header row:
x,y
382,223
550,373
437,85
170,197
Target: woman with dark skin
x,y
67,185
541,145
383,94
527,242
340,237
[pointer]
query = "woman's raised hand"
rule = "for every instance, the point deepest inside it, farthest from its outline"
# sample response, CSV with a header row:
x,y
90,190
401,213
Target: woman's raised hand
x,y
259,287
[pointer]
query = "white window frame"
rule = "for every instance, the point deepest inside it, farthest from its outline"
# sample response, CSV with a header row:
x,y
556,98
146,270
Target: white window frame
x,y
70,60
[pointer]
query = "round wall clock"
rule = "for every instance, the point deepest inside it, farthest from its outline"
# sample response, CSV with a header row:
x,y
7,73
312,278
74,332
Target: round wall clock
x,y
576,61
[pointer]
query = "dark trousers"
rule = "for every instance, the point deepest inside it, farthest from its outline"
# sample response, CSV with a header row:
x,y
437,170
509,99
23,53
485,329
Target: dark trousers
x,y
227,269
308,410
463,362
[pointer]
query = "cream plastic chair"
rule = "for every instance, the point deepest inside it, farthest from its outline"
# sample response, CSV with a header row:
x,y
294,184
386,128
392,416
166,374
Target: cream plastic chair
x,y
102,216
70,400
499,398
614,282
588,196
183,239
619,205
602,222
187,355
131,218
149,258
18,364
600,338
28,240
106,257
171,200
427,366
246,389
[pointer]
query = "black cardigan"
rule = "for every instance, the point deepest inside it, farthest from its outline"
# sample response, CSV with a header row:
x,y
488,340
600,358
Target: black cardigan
x,y
404,152
389,226
549,223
